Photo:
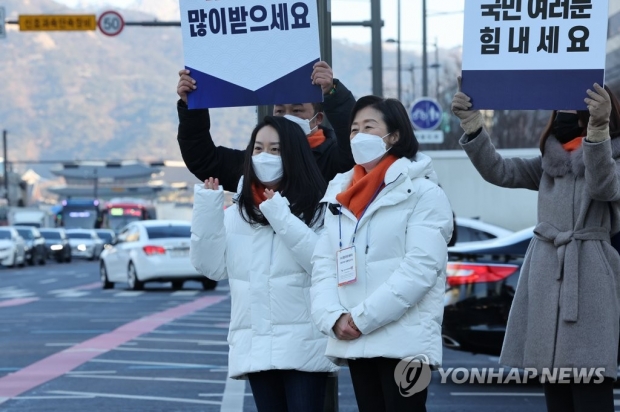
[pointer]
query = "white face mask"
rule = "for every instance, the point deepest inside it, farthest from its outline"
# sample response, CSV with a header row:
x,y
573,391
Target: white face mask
x,y
367,148
268,167
303,123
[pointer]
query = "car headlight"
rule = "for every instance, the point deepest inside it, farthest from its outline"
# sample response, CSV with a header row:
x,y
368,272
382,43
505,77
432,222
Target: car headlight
x,y
56,247
81,248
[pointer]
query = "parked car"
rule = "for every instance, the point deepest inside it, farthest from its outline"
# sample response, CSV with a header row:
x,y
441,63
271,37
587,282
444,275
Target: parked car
x,y
151,251
480,286
57,244
473,230
85,243
12,248
36,251
108,236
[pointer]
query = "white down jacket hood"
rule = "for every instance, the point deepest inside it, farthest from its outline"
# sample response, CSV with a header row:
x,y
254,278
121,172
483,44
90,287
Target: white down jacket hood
x,y
401,255
269,272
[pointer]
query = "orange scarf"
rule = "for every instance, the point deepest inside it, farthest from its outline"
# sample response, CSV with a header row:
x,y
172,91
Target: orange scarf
x,y
258,193
316,139
573,144
364,186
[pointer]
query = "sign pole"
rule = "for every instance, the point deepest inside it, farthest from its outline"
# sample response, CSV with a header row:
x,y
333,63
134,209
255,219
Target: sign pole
x,y
6,169
377,60
2,23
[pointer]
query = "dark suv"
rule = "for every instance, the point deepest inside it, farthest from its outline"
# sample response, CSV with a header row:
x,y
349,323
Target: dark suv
x,y
57,244
34,244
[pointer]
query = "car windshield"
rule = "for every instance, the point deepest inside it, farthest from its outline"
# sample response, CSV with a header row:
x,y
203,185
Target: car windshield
x,y
160,232
4,234
79,235
51,235
107,236
25,233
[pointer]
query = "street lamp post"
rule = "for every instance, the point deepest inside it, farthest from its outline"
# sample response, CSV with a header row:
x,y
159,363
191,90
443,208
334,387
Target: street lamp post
x,y
398,54
424,54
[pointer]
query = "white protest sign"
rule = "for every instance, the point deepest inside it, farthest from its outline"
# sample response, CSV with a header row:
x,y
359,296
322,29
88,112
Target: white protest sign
x,y
533,54
250,52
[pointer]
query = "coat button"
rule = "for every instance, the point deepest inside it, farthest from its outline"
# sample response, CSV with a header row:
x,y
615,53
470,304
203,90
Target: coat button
x,y
408,190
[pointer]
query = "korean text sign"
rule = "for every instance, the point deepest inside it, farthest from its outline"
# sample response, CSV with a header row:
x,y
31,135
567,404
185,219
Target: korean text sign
x,y
250,52
533,54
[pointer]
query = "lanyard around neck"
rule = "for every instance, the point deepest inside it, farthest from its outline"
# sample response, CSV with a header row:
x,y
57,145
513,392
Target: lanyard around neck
x,y
381,186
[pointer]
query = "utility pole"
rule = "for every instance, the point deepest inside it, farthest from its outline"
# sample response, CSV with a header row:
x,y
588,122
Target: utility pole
x,y
377,58
96,181
436,70
424,53
6,169
398,53
324,8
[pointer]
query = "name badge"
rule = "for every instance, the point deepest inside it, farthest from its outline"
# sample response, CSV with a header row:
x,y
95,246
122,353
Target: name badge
x,y
347,270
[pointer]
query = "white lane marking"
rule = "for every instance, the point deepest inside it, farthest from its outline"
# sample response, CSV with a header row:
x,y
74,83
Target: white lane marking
x,y
216,395
11,292
127,294
496,394
90,372
183,365
198,352
185,293
82,275
68,293
137,397
46,281
144,378
196,341
55,397
234,396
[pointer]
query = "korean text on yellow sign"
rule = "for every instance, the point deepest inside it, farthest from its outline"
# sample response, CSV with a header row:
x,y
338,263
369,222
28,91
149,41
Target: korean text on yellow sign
x,y
57,22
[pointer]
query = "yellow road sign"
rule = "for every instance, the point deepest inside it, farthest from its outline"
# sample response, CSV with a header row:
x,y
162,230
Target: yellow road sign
x,y
44,22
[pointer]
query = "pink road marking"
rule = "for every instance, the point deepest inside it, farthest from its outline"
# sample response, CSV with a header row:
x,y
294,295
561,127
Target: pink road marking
x,y
16,302
88,286
58,364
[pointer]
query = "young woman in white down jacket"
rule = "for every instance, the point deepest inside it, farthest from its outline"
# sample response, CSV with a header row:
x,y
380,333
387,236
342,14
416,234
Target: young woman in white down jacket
x,y
389,217
263,244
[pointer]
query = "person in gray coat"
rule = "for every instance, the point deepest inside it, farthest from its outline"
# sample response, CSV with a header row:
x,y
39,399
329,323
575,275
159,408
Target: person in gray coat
x,y
566,310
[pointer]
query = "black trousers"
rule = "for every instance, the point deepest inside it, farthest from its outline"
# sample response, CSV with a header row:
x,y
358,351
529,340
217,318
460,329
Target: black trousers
x,y
288,390
580,397
376,390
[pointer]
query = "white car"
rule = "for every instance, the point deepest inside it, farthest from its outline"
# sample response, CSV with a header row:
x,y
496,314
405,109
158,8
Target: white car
x,y
151,251
474,230
84,243
12,248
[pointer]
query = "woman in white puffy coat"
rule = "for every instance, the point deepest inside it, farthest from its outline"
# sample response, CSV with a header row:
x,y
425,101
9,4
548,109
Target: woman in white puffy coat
x,y
389,218
263,244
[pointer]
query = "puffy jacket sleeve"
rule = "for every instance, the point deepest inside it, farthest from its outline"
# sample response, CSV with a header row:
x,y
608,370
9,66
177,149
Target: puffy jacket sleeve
x,y
200,154
338,108
511,173
428,231
208,246
326,306
294,233
602,171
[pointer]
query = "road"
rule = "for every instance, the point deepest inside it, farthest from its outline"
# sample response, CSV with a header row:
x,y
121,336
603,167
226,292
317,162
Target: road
x,y
68,345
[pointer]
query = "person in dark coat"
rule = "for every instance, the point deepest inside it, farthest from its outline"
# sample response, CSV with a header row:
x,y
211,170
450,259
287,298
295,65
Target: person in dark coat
x,y
331,147
567,303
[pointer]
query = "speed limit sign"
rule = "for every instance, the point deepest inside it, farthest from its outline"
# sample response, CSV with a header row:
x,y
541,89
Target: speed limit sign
x,y
111,23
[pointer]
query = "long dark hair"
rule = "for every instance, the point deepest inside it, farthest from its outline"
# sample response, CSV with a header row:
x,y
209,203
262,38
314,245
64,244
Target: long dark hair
x,y
302,183
397,120
584,118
